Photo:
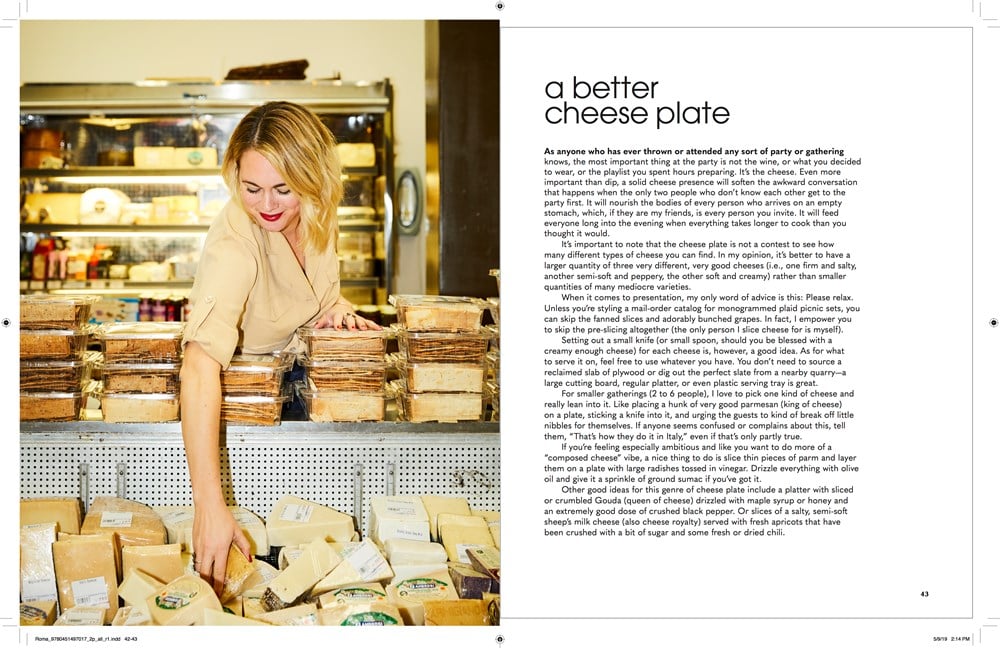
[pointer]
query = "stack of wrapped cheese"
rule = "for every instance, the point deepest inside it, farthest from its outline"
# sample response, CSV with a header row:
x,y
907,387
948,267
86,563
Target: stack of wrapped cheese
x,y
427,560
493,355
54,338
442,359
252,388
141,371
345,374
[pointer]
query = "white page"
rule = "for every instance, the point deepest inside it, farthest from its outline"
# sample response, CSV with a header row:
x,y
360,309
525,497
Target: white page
x,y
918,524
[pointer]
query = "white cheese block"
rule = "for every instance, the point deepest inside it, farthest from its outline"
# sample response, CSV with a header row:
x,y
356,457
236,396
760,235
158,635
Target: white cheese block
x,y
38,572
182,602
459,532
414,552
315,562
135,590
296,615
295,521
130,616
362,562
219,618
437,504
399,516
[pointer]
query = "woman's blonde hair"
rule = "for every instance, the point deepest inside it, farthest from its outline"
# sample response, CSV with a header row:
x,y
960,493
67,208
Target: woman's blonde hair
x,y
303,151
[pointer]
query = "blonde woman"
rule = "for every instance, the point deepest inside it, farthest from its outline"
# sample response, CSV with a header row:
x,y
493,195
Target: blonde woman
x,y
269,266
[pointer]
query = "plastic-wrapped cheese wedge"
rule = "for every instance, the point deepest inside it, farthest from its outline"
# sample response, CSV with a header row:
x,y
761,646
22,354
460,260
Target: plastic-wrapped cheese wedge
x,y
401,551
316,561
357,593
182,602
362,562
303,614
86,573
398,516
295,521
437,504
459,532
38,573
216,618
361,614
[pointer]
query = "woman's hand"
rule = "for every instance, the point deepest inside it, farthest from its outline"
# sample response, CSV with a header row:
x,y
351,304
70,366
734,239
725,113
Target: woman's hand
x,y
342,316
214,530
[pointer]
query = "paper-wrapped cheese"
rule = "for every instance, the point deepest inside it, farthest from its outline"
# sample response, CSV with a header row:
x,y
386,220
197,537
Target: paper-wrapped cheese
x,y
398,516
295,521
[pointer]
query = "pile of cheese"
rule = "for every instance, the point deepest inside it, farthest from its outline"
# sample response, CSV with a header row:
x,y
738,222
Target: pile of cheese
x,y
427,560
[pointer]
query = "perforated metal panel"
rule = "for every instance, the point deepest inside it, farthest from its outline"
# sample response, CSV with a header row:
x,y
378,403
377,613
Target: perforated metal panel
x,y
341,467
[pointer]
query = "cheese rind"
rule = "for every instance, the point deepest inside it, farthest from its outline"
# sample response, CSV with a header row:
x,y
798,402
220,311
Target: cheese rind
x,y
295,521
461,612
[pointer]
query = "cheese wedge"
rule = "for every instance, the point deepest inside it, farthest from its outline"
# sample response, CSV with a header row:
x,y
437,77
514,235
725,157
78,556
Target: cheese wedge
x,y
133,522
459,532
238,572
295,521
357,593
182,602
65,511
86,573
135,590
361,562
454,613
410,594
163,562
179,523
437,504
289,586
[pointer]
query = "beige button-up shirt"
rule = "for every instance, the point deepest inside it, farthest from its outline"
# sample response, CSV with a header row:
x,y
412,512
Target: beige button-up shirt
x,y
250,291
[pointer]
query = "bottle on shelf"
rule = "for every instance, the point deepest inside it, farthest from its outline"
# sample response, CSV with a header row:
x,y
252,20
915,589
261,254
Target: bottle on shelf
x,y
40,258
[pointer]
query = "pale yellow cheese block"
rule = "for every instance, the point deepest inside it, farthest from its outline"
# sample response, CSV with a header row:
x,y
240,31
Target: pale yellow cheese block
x,y
461,531
130,616
398,516
437,504
86,572
315,562
38,613
182,602
65,511
410,594
295,521
38,573
133,522
163,562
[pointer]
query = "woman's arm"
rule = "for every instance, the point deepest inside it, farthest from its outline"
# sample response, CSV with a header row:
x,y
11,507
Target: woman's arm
x,y
214,526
